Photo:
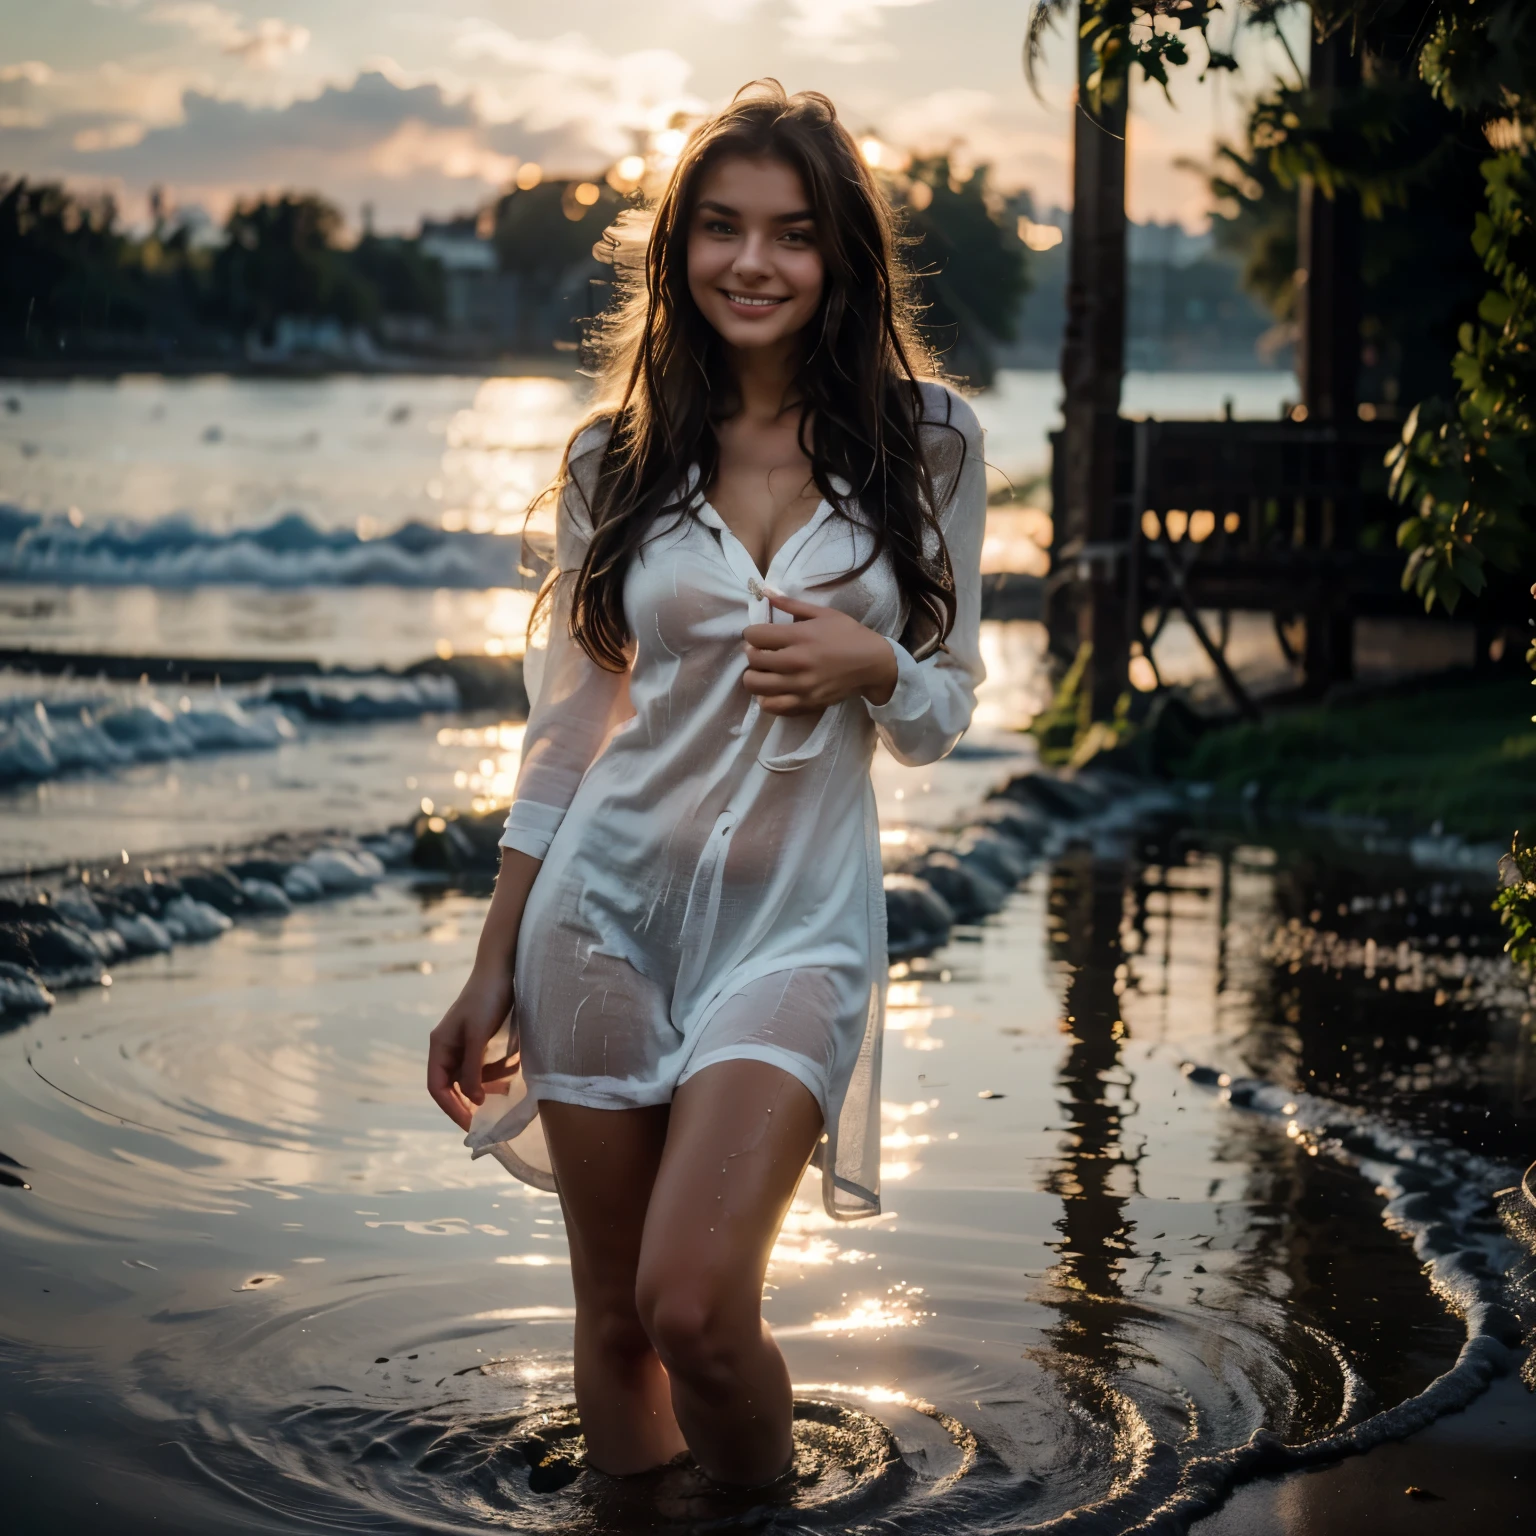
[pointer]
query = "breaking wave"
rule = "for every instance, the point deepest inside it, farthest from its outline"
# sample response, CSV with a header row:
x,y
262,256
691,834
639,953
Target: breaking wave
x,y
291,551
46,737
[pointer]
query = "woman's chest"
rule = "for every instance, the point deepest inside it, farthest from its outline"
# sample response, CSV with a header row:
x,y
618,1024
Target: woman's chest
x,y
696,585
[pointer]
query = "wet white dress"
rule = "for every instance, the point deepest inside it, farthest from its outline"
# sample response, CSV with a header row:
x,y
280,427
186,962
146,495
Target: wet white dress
x,y
711,886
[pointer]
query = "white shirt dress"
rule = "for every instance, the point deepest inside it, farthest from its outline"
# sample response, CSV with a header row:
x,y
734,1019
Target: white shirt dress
x,y
711,885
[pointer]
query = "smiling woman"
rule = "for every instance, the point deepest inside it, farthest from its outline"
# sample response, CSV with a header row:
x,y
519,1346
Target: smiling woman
x,y
767,557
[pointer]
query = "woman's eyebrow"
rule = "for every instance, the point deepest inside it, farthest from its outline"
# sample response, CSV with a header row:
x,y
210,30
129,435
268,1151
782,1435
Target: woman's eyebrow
x,y
799,216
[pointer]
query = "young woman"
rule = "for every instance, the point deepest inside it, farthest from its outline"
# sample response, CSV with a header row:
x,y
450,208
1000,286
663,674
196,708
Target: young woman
x,y
768,554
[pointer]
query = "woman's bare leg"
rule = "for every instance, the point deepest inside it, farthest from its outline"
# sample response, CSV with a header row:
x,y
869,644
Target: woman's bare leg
x,y
605,1162
740,1135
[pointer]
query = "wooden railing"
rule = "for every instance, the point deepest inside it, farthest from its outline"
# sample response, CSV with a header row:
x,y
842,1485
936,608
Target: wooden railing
x,y
1287,518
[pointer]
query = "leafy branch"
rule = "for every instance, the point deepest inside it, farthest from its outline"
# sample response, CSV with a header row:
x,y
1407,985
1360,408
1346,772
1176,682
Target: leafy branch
x,y
1150,35
1468,469
1516,902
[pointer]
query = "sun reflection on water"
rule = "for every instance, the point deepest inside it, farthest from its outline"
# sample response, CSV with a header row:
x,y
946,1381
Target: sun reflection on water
x,y
874,1314
502,451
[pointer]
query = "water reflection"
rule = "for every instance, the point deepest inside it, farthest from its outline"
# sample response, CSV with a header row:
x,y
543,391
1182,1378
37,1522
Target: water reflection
x,y
500,453
1096,1176
252,1240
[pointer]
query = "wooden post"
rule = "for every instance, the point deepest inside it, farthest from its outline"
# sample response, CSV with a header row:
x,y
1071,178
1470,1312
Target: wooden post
x,y
1090,549
1328,360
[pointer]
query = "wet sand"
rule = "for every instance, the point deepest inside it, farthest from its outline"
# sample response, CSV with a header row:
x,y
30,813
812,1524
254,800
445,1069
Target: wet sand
x,y
1475,1472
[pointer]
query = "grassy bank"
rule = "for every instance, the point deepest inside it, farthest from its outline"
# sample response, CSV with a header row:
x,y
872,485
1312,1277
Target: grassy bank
x,y
1461,752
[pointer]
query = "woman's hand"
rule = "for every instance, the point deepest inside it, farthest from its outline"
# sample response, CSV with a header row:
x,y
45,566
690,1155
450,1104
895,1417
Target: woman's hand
x,y
456,1066
457,1070
822,658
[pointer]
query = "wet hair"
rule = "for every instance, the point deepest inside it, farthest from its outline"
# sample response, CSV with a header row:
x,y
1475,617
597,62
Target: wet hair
x,y
664,381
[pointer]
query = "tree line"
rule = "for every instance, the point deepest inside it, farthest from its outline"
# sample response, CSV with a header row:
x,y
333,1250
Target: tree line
x,y
75,284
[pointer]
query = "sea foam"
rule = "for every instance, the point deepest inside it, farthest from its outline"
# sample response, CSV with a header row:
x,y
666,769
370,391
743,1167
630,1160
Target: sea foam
x,y
173,551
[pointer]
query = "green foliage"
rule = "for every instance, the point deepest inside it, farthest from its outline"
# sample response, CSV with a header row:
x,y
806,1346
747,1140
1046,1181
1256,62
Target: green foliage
x,y
406,281
1255,220
281,257
1384,139
1516,902
65,269
972,272
1122,35
1413,168
72,282
544,232
1480,58
1066,721
1468,470
1444,754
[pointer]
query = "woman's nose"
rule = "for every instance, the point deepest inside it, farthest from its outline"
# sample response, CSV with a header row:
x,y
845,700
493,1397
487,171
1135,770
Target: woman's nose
x,y
752,259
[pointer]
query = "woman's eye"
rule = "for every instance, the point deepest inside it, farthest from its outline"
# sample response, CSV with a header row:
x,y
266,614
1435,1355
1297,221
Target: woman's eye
x,y
718,227
798,236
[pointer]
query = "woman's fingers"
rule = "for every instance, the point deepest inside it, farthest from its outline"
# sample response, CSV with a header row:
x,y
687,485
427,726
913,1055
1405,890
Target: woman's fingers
x,y
766,685
797,607
442,1062
771,637
786,704
761,660
471,1064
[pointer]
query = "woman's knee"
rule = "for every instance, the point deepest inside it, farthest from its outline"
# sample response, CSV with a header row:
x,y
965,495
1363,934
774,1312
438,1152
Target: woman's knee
x,y
692,1321
615,1329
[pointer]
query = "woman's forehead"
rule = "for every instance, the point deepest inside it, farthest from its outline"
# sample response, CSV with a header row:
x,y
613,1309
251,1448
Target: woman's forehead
x,y
754,187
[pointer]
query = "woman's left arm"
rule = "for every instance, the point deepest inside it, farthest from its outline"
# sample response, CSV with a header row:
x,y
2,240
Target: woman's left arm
x,y
920,708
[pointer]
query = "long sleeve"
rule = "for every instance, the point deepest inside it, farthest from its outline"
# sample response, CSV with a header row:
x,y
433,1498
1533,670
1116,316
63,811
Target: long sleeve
x,y
576,704
933,700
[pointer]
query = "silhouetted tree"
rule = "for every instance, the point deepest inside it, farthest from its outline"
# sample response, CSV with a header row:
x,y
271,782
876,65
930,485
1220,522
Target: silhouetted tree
x,y
405,279
281,257
971,266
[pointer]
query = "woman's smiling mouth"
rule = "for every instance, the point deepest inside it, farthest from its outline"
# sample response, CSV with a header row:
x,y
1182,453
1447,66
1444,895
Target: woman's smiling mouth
x,y
751,301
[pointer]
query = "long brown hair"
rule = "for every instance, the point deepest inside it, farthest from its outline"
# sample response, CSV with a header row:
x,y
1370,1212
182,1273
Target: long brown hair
x,y
664,381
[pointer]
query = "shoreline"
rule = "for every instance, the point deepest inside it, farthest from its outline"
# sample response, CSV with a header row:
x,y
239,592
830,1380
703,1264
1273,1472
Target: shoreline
x,y
32,370
36,370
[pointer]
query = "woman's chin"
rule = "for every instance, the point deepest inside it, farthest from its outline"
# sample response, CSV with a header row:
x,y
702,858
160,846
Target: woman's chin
x,y
750,335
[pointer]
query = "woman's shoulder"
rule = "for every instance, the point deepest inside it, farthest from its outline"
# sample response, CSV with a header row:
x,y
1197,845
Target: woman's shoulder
x,y
950,435
586,445
945,406
583,462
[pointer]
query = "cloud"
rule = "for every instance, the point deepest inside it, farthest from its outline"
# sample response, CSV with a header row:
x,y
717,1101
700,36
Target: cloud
x,y
457,153
843,30
407,148
33,95
263,44
566,84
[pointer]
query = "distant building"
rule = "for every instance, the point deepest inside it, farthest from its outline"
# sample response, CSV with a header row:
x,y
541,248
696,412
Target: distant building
x,y
308,341
480,300
1186,307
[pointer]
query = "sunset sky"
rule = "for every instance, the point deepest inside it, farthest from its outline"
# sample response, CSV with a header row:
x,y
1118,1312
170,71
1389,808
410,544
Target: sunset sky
x,y
430,109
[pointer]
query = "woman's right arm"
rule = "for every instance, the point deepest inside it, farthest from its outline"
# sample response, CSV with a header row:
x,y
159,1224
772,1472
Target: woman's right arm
x,y
456,1052
578,704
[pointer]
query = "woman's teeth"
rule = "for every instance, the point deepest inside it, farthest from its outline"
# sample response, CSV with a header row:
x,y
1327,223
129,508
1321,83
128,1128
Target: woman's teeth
x,y
742,298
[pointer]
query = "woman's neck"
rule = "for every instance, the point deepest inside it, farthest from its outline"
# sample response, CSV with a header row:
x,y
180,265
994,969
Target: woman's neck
x,y
765,378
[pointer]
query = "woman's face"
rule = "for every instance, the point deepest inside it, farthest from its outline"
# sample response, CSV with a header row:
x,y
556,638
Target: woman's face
x,y
754,267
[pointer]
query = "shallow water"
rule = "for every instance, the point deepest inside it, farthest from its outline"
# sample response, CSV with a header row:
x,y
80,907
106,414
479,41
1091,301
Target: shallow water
x,y
255,1284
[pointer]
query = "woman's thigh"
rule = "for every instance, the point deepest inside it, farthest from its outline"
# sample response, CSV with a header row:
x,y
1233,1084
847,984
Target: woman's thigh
x,y
739,1137
605,1163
